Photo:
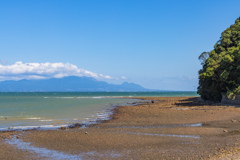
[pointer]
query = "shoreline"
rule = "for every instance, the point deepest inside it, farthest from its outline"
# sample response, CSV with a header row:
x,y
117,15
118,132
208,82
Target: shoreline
x,y
168,128
108,112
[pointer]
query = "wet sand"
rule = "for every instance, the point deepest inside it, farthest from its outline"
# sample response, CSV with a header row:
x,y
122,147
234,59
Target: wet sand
x,y
169,128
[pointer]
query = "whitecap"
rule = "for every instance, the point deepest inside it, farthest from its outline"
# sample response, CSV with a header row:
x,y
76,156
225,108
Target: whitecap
x,y
33,118
46,120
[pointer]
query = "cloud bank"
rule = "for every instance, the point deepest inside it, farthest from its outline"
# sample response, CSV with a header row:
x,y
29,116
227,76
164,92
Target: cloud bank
x,y
19,70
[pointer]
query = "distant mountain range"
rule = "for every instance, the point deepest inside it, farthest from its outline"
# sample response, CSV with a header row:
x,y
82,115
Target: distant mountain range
x,y
66,84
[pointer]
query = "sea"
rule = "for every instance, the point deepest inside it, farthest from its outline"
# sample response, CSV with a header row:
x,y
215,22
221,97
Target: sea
x,y
52,110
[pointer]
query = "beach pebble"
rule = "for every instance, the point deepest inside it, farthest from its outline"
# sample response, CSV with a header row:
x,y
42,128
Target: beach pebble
x,y
86,133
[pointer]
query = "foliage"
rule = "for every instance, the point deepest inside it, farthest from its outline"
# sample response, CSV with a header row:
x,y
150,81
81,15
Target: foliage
x,y
221,66
203,57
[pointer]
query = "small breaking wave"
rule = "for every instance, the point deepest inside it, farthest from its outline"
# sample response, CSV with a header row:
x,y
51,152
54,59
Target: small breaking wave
x,y
41,127
46,120
33,118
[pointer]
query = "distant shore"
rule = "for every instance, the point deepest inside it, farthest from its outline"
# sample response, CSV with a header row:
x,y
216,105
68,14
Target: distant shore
x,y
163,128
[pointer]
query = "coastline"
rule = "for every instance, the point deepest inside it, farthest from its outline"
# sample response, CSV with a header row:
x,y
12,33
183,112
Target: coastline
x,y
95,118
171,127
54,110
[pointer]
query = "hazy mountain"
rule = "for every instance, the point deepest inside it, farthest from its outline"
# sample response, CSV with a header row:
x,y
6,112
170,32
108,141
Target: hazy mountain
x,y
71,83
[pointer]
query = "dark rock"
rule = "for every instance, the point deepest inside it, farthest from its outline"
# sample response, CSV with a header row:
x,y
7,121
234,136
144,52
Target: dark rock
x,y
63,128
76,125
98,121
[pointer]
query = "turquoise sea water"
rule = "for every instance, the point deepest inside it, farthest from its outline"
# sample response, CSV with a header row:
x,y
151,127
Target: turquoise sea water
x,y
55,109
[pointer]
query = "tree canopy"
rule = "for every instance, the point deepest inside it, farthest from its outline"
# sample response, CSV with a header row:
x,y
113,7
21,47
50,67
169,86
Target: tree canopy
x,y
221,66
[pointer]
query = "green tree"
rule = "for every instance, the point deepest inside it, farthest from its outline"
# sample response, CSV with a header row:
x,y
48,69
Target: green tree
x,y
221,66
203,57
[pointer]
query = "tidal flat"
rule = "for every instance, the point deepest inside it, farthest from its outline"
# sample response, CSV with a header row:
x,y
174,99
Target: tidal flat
x,y
162,128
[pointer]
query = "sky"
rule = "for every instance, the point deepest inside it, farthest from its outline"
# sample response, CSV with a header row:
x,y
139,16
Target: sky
x,y
153,43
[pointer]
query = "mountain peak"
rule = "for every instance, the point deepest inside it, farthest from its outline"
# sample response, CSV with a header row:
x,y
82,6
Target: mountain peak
x,y
65,84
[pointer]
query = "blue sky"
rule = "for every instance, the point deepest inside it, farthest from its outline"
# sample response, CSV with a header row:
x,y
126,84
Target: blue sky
x,y
152,43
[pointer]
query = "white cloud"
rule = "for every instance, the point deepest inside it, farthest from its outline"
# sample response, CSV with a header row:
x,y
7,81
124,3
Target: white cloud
x,y
21,70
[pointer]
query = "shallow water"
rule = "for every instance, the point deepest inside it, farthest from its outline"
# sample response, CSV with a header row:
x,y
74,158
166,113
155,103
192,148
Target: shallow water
x,y
56,155
42,152
163,126
165,135
52,110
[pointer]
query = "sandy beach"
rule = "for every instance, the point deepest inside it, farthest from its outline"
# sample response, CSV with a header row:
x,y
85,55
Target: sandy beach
x,y
163,128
